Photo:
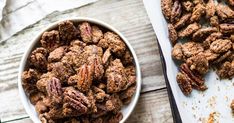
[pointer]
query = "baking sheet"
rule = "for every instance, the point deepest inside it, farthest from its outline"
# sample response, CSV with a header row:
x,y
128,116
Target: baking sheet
x,y
197,107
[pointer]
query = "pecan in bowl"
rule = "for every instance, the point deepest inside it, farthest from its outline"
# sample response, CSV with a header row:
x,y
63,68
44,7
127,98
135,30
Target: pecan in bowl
x,y
79,70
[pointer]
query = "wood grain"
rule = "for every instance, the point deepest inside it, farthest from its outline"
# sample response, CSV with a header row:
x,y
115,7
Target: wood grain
x,y
129,17
152,107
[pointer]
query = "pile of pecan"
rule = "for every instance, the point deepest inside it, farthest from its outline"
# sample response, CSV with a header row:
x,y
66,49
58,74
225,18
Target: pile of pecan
x,y
80,73
205,29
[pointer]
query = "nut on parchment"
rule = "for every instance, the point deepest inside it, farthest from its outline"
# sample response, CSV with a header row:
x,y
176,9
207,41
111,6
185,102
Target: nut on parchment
x,y
189,30
221,45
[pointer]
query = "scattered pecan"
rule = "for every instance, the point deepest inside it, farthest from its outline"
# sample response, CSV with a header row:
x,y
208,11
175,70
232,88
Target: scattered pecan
x,y
198,63
182,21
166,6
184,83
38,58
172,34
190,29
86,32
222,57
221,45
226,70
191,49
203,32
224,12
227,28
56,55
198,11
210,8
211,38
176,11
96,66
177,52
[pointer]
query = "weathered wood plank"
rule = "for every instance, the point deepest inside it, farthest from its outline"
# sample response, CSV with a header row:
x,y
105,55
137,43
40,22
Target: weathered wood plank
x,y
128,16
153,107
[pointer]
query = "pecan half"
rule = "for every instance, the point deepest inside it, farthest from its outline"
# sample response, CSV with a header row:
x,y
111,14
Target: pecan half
x,y
198,11
221,45
227,28
166,6
210,8
182,21
96,66
191,49
203,32
184,83
172,34
116,77
190,29
38,58
67,31
86,32
223,57
106,57
226,70
198,63
76,100
211,38
50,40
85,77
177,52
197,81
176,11
224,12
54,90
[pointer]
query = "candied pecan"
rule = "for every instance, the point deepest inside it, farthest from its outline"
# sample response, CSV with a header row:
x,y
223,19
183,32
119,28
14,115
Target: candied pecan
x,y
222,57
57,54
72,80
201,33
74,59
50,40
191,48
127,58
115,118
38,58
42,83
93,50
35,97
128,93
197,81
29,78
62,71
116,76
67,31
86,32
99,94
190,29
211,38
182,21
177,52
77,46
214,21
54,89
227,28
166,6
226,70
187,5
198,63
198,2
113,42
85,78
101,110
96,65
176,11
76,100
55,113
114,104
172,34
198,11
130,70
221,45
106,57
96,34
230,2
184,83
41,107
224,12
210,56
210,8
91,98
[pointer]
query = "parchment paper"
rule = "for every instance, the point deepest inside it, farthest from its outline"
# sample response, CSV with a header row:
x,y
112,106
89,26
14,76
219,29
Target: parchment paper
x,y
199,105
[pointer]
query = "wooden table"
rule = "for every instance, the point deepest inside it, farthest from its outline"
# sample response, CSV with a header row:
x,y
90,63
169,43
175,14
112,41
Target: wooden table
x,y
128,16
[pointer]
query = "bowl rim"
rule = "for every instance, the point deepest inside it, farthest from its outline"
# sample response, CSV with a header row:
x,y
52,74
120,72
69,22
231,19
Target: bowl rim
x,y
24,99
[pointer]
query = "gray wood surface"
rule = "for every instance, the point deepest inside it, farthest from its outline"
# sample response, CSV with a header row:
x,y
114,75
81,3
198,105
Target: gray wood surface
x,y
130,18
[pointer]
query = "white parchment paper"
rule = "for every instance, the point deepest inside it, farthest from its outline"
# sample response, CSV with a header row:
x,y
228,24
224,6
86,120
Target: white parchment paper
x,y
18,14
199,105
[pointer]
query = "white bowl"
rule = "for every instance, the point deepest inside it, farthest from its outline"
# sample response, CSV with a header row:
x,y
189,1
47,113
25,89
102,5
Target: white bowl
x,y
126,110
